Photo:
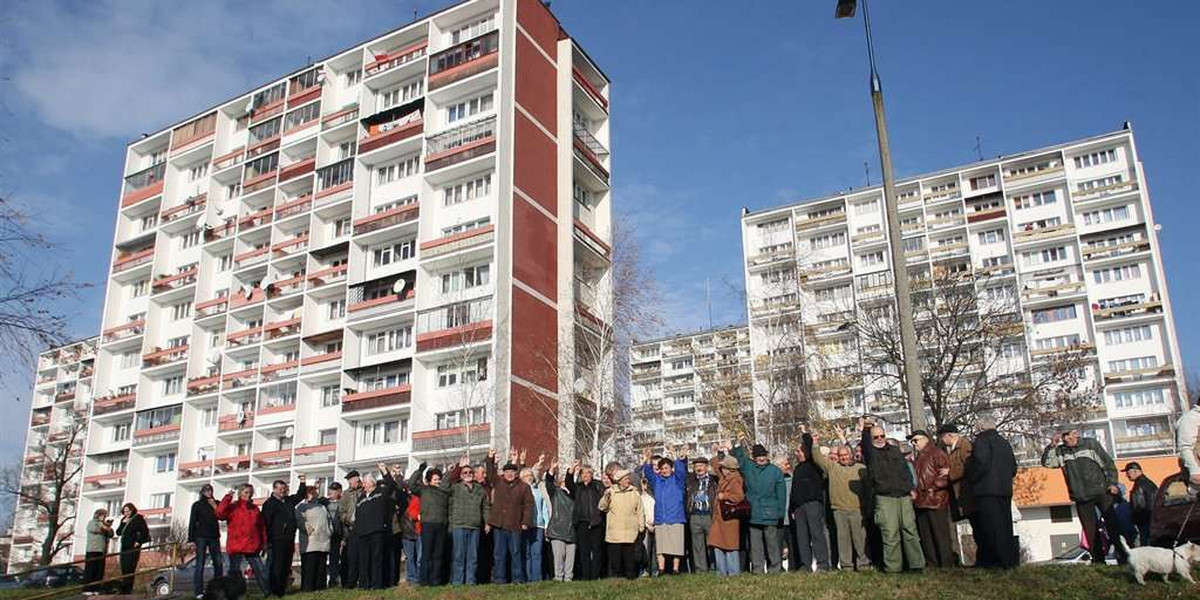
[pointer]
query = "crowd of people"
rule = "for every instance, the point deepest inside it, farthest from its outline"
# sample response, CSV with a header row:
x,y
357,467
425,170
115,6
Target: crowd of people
x,y
880,503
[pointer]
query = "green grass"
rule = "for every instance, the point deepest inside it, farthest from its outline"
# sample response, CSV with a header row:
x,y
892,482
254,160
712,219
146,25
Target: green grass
x,y
1058,582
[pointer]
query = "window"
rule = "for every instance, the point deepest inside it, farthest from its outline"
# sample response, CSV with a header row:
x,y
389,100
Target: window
x,y
1062,514
1096,158
384,381
992,236
469,108
772,226
871,260
869,229
224,262
950,241
471,29
681,363
468,226
1103,182
465,279
1136,429
130,360
834,293
161,500
350,78
1053,315
781,275
1126,335
164,463
913,244
197,171
406,167
347,150
866,208
400,94
1136,363
208,416
386,255
1045,198
983,181
306,114
327,437
178,342
453,374
189,239
384,432
1056,342
1138,398
1120,273
127,390
148,222
461,418
1027,170
342,226
118,466
390,340
172,385
336,309
1106,215
330,396
181,311
996,261
120,431
827,241
1045,255
476,187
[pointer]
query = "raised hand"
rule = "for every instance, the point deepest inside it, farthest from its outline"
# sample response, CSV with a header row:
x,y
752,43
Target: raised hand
x,y
522,456
540,461
464,461
491,454
554,466
513,455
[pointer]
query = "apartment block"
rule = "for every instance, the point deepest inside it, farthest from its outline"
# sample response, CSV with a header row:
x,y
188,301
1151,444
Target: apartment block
x,y
389,254
691,389
1067,231
54,446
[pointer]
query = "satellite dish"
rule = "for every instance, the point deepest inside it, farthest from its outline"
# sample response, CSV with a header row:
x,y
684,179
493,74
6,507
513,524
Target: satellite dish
x,y
321,77
289,432
241,415
249,105
220,211
399,287
247,290
208,227
214,356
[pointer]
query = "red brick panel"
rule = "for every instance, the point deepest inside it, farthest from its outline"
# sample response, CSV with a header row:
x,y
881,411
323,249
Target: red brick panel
x,y
534,340
535,165
535,19
535,249
536,87
533,421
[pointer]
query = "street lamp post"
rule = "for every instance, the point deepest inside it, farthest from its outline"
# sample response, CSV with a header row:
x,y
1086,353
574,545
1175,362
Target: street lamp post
x,y
908,331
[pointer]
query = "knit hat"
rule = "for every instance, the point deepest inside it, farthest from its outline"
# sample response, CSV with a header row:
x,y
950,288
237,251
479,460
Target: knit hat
x,y
758,450
730,463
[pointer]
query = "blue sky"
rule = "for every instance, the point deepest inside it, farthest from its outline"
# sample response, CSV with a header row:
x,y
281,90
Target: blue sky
x,y
716,105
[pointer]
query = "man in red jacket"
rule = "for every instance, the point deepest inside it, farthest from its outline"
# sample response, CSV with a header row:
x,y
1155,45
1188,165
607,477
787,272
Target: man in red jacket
x,y
246,533
932,500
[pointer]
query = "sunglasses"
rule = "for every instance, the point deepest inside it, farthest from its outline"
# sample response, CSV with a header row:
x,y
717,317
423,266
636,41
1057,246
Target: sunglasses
x,y
879,437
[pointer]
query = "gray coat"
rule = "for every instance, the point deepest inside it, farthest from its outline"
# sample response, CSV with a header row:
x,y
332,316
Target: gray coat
x,y
98,535
314,527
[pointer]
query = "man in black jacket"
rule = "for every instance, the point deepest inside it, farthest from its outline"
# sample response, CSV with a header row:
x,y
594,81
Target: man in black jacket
x,y
279,518
373,526
1141,500
891,481
336,533
990,471
589,520
700,500
205,534
807,508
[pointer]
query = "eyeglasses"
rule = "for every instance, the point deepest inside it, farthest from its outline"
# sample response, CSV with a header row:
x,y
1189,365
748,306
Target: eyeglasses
x,y
879,437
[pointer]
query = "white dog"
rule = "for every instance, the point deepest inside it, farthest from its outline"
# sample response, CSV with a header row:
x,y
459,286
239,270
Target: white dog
x,y
1148,559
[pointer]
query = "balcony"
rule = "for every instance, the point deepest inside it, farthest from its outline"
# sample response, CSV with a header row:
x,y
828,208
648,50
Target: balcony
x,y
165,283
240,379
587,86
334,178
213,307
199,386
1102,192
221,231
193,133
200,469
771,257
280,329
143,185
388,218
589,156
361,309
258,181
392,396
289,247
986,215
461,143
229,159
591,145
231,464
1030,234
445,440
395,58
191,206
255,219
64,397
164,356
1053,290
275,459
454,325
156,435
295,207
322,359
297,169
1133,375
389,133
287,286
251,257
299,96
241,299
463,60
822,220
457,241
279,371
105,481
315,455
341,117
112,404
1133,309
1114,251
130,260
1157,443
327,276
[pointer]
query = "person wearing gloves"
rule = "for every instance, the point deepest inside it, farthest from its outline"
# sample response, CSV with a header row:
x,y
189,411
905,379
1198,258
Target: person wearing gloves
x,y
1091,477
434,495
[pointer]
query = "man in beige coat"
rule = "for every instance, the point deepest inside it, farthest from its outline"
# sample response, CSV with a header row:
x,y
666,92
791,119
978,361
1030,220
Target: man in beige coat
x,y
845,497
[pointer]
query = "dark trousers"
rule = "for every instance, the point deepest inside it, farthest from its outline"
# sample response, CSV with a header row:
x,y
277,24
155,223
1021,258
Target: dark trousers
x,y
372,556
335,561
993,532
1143,533
396,553
312,570
934,527
129,563
810,540
350,562
622,561
1091,526
212,548
93,570
433,553
507,550
279,565
589,541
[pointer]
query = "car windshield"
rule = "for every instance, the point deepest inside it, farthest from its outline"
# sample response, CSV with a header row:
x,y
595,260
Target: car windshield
x,y
1071,554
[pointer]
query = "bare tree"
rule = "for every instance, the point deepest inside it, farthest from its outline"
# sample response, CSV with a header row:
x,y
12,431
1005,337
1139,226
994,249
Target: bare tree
x,y
50,486
29,323
973,356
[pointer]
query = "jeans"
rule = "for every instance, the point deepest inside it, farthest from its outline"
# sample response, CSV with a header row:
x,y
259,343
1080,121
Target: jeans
x,y
433,552
535,539
256,565
898,528
768,536
212,548
507,548
464,542
811,543
851,539
699,525
564,560
729,562
412,559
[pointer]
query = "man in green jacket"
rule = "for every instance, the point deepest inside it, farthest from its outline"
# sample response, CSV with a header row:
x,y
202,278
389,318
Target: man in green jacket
x,y
469,506
1091,478
767,493
434,492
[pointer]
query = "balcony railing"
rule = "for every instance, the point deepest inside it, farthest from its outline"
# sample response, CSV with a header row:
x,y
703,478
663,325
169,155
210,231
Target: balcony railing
x,y
251,257
233,423
1152,306
461,143
241,299
156,435
251,335
359,307
144,184
283,328
334,178
1158,443
463,60
389,133
112,404
441,440
196,469
341,117
126,261
315,455
125,331
199,386
291,246
380,220
1098,193
322,359
189,207
164,356
454,324
279,371
395,58
105,480
229,159
231,464
295,207
586,84
593,145
275,459
1098,252
179,280
326,276
212,307
240,379
286,286
392,396
458,241
297,169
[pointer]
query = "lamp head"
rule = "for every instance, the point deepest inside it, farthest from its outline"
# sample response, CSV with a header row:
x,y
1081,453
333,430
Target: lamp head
x,y
845,9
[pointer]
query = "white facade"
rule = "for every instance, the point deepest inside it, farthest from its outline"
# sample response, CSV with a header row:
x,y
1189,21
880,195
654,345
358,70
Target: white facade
x,y
690,389
334,269
1068,229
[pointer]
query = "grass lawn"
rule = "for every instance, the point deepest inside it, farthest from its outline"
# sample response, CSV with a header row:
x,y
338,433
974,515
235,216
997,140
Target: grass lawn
x,y
1057,582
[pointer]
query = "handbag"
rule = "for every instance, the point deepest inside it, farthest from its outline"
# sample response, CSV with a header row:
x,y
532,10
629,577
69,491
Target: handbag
x,y
735,510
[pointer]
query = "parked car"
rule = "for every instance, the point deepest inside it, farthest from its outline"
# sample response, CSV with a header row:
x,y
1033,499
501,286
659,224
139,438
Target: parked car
x,y
162,584
50,577
1080,556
